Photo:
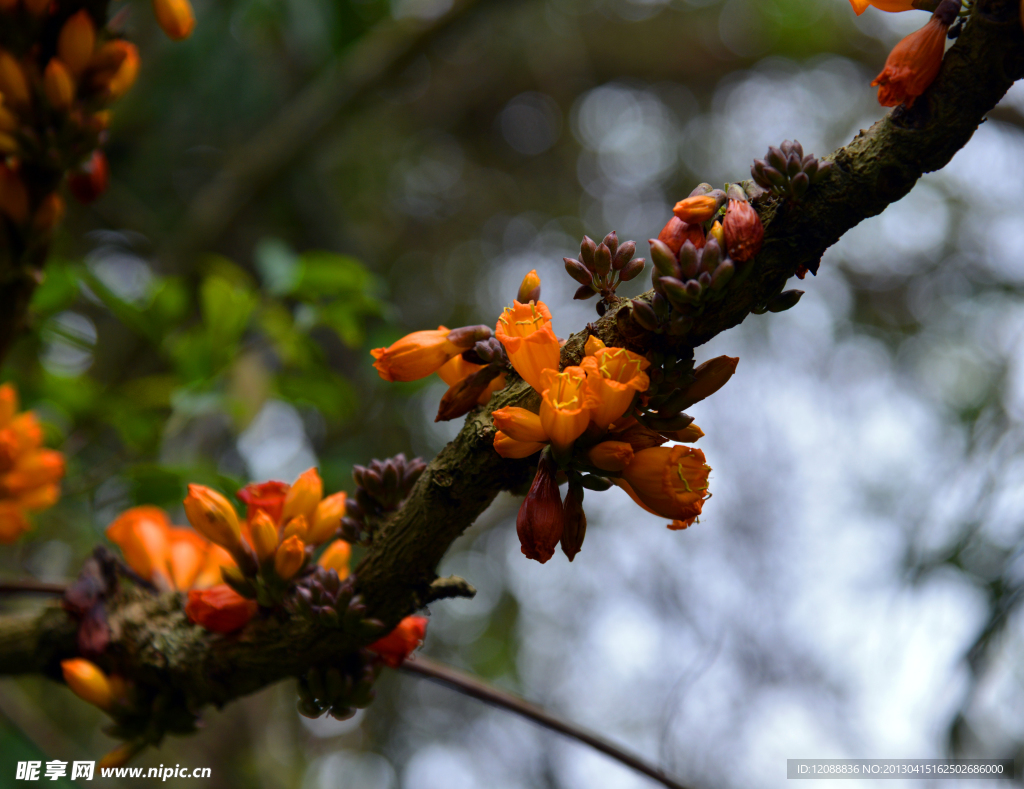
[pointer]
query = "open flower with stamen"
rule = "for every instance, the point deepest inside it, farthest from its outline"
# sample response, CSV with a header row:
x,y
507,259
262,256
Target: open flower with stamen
x,y
531,344
563,410
669,481
614,376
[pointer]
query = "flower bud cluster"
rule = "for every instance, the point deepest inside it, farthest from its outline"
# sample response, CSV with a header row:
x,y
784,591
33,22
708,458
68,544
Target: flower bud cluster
x,y
380,488
600,268
339,690
61,68
787,172
327,597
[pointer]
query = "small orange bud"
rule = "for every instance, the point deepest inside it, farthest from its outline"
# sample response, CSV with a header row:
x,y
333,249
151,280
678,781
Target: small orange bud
x,y
297,527
718,233
611,455
336,557
698,208
743,231
90,180
76,41
58,85
327,519
88,682
264,535
912,65
290,557
520,424
540,520
213,517
219,608
510,449
303,496
49,214
13,83
529,290
8,145
395,648
175,17
124,77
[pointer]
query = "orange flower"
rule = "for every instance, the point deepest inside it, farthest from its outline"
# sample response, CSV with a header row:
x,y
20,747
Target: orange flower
x,y
29,475
263,535
397,645
219,608
171,557
336,557
525,331
668,481
860,6
614,376
611,455
510,449
415,356
519,424
266,496
912,65
563,411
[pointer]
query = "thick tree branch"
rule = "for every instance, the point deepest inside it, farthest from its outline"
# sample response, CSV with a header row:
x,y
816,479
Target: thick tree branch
x,y
152,642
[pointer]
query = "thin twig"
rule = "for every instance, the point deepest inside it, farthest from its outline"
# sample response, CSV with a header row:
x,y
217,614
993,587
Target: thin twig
x,y
381,53
32,587
478,689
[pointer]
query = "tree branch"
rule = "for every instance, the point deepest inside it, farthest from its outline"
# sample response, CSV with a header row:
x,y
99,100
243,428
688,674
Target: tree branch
x,y
153,644
478,689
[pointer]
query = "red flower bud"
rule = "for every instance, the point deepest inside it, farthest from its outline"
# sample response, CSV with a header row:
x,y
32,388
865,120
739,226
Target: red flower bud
x,y
912,65
744,232
265,497
677,232
540,520
575,522
90,180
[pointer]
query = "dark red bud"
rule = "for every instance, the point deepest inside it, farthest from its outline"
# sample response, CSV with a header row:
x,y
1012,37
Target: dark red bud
x,y
540,521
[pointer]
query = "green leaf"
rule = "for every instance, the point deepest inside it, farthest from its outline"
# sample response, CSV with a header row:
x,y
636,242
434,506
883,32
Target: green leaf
x,y
226,311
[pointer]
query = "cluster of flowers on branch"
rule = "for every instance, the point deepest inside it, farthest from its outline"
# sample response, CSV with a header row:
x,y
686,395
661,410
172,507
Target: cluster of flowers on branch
x,y
61,67
29,474
914,62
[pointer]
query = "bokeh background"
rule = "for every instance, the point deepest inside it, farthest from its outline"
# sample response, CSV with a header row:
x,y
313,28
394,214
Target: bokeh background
x,y
853,589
